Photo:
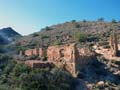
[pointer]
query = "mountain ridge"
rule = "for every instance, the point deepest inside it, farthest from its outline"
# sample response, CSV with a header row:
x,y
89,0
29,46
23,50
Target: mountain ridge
x,y
7,35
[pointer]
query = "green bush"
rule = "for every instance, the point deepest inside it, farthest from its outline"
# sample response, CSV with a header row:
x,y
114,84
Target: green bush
x,y
101,19
77,26
84,21
80,37
47,28
21,77
92,38
32,57
73,21
106,46
20,68
56,43
113,21
35,35
44,58
43,37
104,43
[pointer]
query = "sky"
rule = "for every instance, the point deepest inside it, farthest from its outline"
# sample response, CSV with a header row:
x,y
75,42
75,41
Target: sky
x,y
29,16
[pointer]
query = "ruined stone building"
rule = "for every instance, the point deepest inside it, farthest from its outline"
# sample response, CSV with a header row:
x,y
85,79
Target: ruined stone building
x,y
112,52
67,56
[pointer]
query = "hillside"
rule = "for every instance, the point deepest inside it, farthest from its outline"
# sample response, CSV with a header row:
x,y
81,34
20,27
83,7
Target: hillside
x,y
66,32
7,36
98,74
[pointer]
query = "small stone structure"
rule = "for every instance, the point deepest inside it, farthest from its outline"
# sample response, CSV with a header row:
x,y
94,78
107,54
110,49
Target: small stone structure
x,y
112,52
67,56
113,44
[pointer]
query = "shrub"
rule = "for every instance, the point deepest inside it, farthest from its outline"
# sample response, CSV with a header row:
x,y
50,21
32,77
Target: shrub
x,y
35,35
106,46
22,77
73,21
43,37
44,58
56,43
101,19
84,21
77,26
33,57
20,68
80,37
92,38
47,28
113,21
103,43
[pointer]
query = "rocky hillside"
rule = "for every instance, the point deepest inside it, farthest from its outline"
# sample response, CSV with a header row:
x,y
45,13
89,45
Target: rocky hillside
x,y
67,32
100,74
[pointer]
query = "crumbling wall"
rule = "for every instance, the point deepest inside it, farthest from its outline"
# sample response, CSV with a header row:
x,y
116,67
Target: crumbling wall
x,y
69,57
38,64
63,56
113,44
83,57
36,51
29,52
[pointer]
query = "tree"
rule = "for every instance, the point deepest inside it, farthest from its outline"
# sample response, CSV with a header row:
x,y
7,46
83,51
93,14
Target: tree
x,y
101,19
113,21
9,67
73,21
84,20
20,68
47,28
21,77
35,34
43,79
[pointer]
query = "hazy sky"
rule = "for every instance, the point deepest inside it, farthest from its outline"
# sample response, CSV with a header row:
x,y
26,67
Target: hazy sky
x,y
28,16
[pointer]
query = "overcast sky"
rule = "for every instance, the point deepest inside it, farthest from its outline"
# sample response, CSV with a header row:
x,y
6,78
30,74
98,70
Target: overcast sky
x,y
28,16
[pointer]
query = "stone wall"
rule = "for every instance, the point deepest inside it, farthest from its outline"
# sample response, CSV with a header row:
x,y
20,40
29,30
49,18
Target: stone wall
x,y
111,53
29,52
66,56
35,51
69,57
63,56
83,57
38,64
113,44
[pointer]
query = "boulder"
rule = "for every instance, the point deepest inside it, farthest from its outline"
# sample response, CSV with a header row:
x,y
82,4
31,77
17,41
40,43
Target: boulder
x,y
100,84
